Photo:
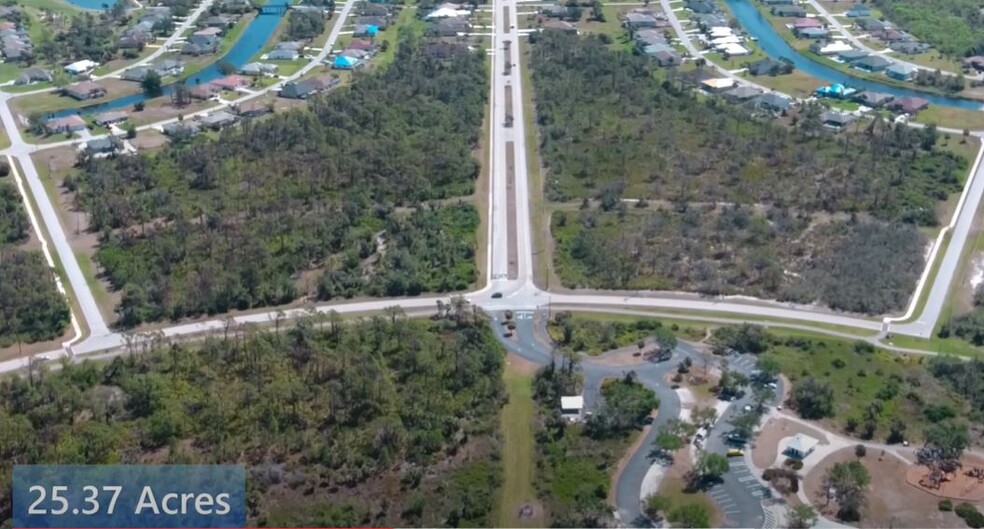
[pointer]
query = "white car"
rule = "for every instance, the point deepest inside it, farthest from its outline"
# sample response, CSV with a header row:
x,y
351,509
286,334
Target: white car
x,y
748,407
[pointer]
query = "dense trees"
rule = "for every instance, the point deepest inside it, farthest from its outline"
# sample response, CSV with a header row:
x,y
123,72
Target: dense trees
x,y
312,202
31,309
626,407
375,423
88,36
955,27
855,265
813,399
302,25
849,480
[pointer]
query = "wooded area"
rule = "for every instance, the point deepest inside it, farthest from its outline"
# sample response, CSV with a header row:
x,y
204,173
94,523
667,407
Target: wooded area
x,y
955,27
807,215
854,265
575,461
31,309
384,422
322,201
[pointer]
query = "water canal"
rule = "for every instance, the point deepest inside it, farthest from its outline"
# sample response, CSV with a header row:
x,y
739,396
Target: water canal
x,y
772,44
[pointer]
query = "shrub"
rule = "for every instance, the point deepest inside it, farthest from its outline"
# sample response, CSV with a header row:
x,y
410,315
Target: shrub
x,y
860,450
793,463
946,505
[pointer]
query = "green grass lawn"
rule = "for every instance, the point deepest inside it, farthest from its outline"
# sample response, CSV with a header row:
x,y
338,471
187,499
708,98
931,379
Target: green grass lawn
x,y
673,489
4,139
518,461
595,335
796,84
899,383
957,118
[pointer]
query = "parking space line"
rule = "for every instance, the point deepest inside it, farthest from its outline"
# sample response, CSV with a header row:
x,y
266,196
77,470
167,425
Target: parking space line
x,y
746,478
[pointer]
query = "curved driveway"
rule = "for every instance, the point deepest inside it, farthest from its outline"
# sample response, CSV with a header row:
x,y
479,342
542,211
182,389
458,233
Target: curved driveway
x,y
530,343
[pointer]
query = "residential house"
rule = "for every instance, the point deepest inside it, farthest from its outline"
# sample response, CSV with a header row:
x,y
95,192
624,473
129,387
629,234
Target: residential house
x,y
220,21
205,91
830,47
976,63
132,42
376,10
908,105
702,6
84,90
871,24
252,109
70,123
282,55
806,22
364,30
910,47
218,120
232,82
449,27
235,6
258,68
901,71
836,120
103,146
770,66
442,11
108,118
355,54
168,67
717,85
711,20
136,74
180,129
772,102
811,33
295,45
444,50
201,44
741,94
559,25
553,11
858,11
34,75
873,99
380,22
81,67
872,63
852,55
789,11
653,49
307,87
210,31
890,35
666,58
634,21
360,44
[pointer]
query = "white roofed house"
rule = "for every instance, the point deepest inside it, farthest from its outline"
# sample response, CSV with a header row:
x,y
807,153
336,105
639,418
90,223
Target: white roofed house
x,y
800,446
572,407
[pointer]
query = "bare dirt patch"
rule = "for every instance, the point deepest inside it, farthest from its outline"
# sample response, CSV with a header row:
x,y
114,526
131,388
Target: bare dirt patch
x,y
891,502
149,140
765,450
521,365
959,485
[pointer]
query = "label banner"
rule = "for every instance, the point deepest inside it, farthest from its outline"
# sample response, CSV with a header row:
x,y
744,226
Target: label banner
x,y
117,496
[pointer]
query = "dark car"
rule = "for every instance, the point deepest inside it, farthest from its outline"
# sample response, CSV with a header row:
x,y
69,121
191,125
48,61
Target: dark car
x,y
496,295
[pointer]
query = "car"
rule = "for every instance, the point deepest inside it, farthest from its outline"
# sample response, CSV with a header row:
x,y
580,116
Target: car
x,y
735,452
748,407
735,439
778,407
496,295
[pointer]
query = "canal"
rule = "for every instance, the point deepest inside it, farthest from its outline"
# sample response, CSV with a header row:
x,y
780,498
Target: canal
x,y
252,40
773,44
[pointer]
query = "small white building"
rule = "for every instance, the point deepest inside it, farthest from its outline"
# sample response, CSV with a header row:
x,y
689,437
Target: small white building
x,y
572,407
80,67
733,49
800,446
833,47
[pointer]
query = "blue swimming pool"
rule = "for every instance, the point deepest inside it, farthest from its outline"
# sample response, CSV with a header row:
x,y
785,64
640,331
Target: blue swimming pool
x,y
773,44
92,4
